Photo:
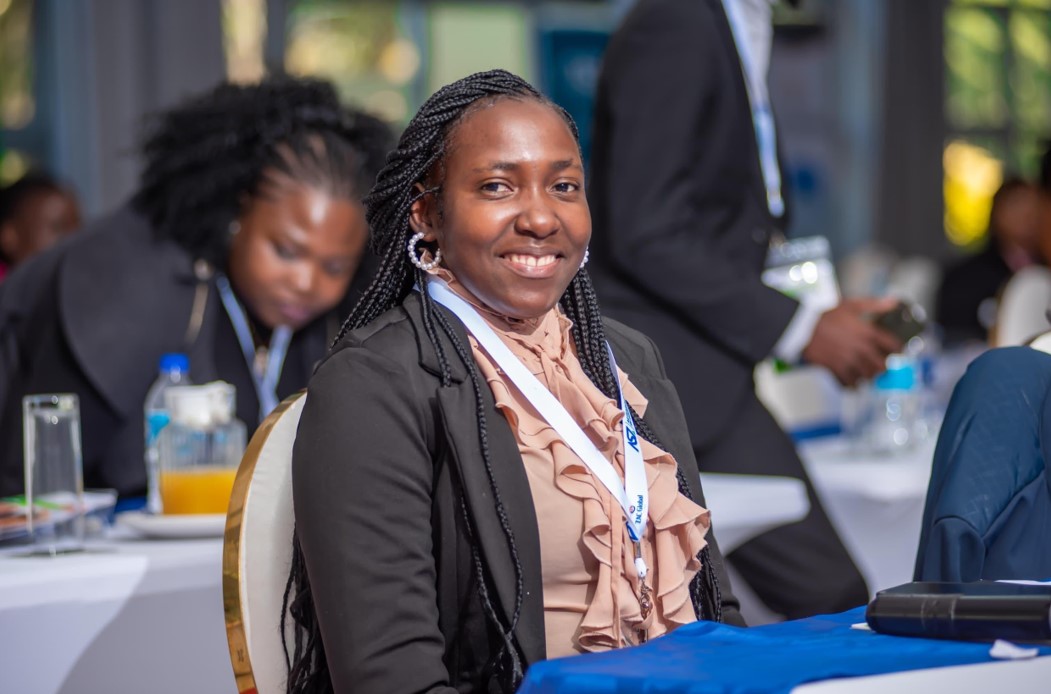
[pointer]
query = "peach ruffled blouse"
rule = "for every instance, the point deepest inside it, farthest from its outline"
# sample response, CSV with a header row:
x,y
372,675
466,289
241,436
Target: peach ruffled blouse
x,y
590,583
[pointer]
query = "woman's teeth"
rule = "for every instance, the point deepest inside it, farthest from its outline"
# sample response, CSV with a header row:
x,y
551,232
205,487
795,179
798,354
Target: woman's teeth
x,y
532,260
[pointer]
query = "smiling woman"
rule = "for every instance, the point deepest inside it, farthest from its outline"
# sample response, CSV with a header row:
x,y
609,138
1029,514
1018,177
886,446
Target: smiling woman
x,y
513,229
238,249
487,473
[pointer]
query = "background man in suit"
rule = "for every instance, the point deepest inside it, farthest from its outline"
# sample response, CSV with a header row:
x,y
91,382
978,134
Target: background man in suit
x,y
686,196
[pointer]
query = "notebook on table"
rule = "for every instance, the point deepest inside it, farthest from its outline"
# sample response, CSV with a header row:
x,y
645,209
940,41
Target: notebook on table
x,y
978,611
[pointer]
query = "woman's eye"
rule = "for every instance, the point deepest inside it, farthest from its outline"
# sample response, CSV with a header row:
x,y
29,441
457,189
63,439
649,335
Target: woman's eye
x,y
284,252
495,187
336,269
566,187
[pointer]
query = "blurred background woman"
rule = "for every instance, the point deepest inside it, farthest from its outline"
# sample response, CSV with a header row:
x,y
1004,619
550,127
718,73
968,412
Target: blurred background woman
x,y
238,249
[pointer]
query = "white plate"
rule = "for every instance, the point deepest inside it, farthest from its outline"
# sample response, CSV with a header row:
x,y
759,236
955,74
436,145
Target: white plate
x,y
174,526
97,502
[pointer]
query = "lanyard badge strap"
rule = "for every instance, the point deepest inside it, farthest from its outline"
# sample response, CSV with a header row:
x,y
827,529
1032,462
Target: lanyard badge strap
x,y
633,494
265,376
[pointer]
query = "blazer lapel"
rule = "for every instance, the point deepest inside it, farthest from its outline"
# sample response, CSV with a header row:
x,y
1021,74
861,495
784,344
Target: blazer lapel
x,y
460,417
661,396
664,413
459,412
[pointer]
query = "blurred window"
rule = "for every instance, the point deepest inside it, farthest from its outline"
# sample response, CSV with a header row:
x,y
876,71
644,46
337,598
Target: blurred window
x,y
17,98
466,37
244,39
388,56
997,104
365,48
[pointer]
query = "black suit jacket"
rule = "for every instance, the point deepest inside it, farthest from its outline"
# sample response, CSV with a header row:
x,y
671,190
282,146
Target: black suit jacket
x,y
681,223
382,459
93,317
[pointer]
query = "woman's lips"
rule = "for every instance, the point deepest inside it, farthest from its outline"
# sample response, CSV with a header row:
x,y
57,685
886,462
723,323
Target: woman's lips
x,y
294,315
533,266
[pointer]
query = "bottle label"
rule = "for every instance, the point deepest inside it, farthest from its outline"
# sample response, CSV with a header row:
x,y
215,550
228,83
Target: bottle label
x,y
155,421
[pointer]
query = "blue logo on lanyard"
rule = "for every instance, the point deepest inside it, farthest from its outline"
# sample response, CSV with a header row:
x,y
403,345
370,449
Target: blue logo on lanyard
x,y
629,432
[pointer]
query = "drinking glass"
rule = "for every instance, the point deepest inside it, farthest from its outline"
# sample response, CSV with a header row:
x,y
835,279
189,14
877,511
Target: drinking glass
x,y
53,472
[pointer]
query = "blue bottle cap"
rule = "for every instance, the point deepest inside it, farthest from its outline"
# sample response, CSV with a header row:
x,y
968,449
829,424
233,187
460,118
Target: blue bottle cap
x,y
174,361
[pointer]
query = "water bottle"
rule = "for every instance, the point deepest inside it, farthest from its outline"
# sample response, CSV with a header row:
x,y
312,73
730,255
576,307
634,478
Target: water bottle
x,y
174,371
894,414
200,449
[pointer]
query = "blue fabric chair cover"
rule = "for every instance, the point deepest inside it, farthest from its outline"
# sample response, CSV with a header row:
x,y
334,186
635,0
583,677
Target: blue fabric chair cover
x,y
988,511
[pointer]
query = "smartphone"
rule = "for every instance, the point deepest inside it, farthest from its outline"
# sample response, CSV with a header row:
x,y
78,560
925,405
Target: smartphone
x,y
902,321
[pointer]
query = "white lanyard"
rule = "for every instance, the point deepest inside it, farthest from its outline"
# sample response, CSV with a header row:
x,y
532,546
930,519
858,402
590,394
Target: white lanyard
x,y
762,117
633,495
266,382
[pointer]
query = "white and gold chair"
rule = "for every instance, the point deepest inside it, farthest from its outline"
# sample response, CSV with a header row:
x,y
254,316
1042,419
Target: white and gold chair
x,y
257,552
1023,309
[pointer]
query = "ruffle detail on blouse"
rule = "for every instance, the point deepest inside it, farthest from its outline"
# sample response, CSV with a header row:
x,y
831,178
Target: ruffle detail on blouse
x,y
676,531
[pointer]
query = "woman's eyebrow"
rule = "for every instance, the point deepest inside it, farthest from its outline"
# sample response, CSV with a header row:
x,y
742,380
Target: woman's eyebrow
x,y
559,165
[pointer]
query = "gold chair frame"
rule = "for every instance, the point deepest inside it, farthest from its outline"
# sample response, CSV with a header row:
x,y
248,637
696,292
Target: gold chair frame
x,y
232,546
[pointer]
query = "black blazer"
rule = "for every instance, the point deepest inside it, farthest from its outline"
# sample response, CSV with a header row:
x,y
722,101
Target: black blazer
x,y
93,317
382,459
681,224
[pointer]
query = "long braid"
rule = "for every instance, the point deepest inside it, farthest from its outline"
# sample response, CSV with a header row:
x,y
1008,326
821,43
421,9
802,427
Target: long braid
x,y
483,434
580,305
399,185
409,175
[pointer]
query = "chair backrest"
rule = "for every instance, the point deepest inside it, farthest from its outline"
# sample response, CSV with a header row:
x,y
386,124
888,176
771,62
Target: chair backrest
x,y
988,509
257,552
1042,342
1022,312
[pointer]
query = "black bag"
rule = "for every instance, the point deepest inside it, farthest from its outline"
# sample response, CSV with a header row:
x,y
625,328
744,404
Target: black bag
x,y
979,611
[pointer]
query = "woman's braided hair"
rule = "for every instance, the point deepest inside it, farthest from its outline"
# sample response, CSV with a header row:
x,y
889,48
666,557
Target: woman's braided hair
x,y
416,160
205,158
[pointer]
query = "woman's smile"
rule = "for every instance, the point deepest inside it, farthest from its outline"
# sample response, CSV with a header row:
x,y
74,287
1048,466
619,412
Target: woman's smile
x,y
533,266
512,220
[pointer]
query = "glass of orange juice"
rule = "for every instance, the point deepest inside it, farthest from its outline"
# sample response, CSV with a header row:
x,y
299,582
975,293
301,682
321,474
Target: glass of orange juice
x,y
200,449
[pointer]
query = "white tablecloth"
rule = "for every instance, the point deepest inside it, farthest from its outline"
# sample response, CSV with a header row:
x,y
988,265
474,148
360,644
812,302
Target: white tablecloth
x,y
744,506
1016,677
147,617
874,502
133,616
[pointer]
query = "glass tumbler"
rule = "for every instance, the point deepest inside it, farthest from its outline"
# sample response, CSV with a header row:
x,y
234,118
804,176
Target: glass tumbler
x,y
53,472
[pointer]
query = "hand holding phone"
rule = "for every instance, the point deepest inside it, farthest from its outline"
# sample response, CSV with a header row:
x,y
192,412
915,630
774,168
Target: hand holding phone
x,y
903,321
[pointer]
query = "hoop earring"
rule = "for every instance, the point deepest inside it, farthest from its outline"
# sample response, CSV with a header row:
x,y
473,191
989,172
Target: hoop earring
x,y
418,260
587,254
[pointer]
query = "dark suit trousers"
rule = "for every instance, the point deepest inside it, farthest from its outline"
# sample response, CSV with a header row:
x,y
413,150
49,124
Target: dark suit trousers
x,y
798,570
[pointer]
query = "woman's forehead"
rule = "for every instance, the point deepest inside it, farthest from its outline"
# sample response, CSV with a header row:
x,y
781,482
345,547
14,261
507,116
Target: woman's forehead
x,y
513,129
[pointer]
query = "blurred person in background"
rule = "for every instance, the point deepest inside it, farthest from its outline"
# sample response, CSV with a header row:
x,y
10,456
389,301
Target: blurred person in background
x,y
686,192
238,249
969,292
1024,307
36,212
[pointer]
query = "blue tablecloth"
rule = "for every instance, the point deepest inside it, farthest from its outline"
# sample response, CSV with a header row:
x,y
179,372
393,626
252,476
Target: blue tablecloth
x,y
709,658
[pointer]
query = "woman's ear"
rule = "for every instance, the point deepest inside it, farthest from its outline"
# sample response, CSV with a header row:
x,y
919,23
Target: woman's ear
x,y
423,214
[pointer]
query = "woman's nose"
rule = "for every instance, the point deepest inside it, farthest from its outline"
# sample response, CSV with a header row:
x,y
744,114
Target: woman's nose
x,y
537,217
303,278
